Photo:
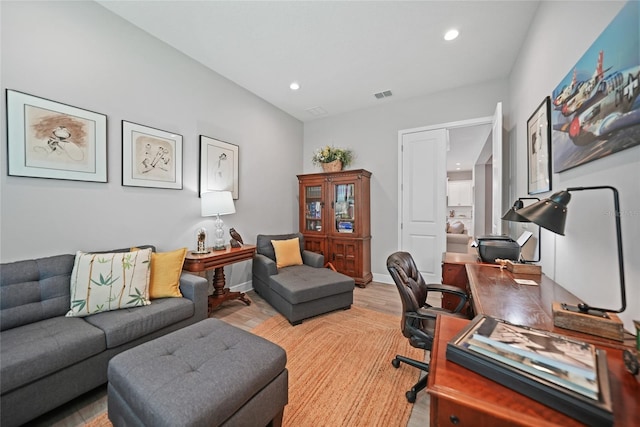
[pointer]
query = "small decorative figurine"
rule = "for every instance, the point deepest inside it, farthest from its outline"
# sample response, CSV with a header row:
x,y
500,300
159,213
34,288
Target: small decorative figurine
x,y
201,236
236,239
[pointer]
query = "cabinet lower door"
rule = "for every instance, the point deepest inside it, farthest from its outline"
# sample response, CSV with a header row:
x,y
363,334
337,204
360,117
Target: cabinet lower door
x,y
316,244
351,257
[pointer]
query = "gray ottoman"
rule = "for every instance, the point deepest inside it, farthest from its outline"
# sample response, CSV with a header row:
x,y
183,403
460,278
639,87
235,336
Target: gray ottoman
x,y
207,374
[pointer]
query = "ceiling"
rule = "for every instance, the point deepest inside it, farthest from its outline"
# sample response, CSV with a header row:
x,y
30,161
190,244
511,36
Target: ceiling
x,y
340,52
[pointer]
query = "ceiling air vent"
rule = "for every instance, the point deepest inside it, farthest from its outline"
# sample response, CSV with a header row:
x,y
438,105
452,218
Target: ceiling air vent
x,y
316,111
385,94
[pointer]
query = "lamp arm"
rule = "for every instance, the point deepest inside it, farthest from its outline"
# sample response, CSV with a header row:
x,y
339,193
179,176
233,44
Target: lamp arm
x,y
616,205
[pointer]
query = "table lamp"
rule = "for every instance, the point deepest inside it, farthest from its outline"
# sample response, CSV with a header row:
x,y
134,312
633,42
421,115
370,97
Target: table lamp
x,y
513,215
216,203
551,214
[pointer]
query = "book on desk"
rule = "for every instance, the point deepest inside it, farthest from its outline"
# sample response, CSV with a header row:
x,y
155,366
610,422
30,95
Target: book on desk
x,y
565,374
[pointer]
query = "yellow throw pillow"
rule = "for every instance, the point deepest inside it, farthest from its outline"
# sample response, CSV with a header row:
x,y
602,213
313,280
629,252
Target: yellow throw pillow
x,y
166,268
287,252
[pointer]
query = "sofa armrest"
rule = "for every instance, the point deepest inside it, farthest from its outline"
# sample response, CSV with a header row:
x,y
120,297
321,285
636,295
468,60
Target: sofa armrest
x,y
263,266
312,259
196,289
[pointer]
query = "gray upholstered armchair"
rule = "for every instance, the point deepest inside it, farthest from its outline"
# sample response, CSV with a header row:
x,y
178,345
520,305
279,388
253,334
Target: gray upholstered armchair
x,y
299,291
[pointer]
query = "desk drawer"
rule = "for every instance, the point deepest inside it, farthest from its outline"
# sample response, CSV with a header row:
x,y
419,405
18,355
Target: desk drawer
x,y
447,413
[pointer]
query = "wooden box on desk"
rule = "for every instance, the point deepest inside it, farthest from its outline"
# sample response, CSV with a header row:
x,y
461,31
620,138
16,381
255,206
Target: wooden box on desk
x,y
521,268
610,327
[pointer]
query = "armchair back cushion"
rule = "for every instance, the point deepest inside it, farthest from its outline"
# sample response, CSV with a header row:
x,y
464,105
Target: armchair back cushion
x,y
264,246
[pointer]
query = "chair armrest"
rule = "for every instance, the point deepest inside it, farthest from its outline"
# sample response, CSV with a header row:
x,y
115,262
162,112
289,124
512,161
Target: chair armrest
x,y
453,290
422,313
263,266
312,259
196,289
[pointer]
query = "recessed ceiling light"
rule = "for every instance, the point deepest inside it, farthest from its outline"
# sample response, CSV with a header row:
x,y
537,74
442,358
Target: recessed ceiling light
x,y
294,86
451,35
458,164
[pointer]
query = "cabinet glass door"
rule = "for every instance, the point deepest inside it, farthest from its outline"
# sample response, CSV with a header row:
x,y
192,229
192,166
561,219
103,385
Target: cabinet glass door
x,y
313,206
344,208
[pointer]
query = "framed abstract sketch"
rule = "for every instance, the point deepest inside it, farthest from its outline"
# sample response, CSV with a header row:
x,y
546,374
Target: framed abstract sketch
x,y
47,139
538,149
218,166
151,157
596,106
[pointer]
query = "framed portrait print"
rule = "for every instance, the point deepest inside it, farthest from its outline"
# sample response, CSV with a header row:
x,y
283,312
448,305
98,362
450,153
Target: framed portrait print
x,y
48,139
538,149
151,157
218,166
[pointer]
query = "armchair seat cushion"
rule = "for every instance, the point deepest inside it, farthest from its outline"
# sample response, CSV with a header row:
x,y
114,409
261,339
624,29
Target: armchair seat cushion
x,y
301,283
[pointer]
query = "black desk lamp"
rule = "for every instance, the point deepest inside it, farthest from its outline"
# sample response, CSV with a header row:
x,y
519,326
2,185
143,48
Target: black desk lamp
x,y
513,215
551,214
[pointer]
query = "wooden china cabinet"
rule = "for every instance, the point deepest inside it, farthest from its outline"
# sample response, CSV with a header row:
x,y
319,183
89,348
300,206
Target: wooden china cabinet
x,y
335,220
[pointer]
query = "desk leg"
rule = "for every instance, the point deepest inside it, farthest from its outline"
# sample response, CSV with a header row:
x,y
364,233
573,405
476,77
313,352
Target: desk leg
x,y
222,294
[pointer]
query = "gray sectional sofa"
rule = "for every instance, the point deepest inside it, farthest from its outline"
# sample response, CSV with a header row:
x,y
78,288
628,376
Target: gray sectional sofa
x,y
299,291
47,359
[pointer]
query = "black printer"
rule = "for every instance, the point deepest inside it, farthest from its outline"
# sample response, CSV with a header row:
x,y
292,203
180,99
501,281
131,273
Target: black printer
x,y
491,248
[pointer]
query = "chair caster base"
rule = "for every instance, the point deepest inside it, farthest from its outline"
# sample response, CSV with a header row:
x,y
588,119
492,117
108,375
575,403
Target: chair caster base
x,y
411,396
396,363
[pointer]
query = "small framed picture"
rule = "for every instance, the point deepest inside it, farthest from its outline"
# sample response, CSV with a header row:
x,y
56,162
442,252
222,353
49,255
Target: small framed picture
x,y
48,139
151,157
218,166
539,148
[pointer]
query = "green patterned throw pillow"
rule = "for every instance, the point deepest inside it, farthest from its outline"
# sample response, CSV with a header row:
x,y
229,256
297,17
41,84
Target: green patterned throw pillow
x,y
109,281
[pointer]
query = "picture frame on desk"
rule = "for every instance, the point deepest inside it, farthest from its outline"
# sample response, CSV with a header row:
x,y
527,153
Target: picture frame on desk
x,y
464,350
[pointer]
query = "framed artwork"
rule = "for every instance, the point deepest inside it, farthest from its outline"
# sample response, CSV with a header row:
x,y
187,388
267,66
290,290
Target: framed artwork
x,y
151,157
47,139
596,106
218,166
538,149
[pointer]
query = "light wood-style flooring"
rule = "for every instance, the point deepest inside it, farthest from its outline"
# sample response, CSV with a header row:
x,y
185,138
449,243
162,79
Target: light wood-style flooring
x,y
376,296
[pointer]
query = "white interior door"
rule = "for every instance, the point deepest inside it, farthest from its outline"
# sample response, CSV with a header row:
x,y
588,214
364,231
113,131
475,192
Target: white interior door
x,y
423,169
496,206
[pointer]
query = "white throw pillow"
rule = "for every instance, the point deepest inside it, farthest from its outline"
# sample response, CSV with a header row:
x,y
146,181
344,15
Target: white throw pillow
x,y
109,281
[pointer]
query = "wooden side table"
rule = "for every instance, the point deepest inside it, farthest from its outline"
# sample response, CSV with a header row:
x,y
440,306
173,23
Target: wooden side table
x,y
217,260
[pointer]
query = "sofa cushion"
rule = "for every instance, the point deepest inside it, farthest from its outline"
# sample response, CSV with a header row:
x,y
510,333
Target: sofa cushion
x,y
287,252
109,281
33,351
128,324
34,290
301,283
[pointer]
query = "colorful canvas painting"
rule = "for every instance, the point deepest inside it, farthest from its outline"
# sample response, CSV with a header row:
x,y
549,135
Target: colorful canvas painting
x,y
596,108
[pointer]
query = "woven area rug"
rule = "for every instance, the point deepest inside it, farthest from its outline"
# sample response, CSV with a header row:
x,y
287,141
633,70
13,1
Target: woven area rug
x,y
340,371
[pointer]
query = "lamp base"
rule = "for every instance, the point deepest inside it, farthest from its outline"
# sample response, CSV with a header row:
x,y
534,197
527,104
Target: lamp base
x,y
607,326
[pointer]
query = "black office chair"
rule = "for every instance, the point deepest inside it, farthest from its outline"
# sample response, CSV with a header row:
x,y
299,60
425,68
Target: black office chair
x,y
418,317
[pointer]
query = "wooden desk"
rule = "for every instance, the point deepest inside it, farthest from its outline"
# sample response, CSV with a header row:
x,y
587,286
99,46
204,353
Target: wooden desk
x,y
216,260
455,274
495,293
463,398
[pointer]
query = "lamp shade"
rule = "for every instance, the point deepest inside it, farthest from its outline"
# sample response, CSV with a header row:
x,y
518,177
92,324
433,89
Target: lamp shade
x,y
217,203
512,215
549,213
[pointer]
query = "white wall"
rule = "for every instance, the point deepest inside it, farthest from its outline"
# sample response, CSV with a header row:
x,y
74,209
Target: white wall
x,y
373,135
585,259
83,55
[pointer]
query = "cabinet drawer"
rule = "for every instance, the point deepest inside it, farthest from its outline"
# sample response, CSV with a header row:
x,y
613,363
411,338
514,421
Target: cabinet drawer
x,y
447,413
